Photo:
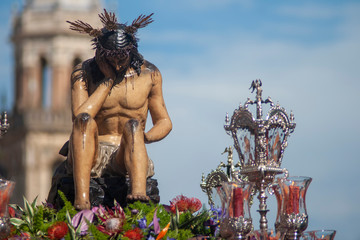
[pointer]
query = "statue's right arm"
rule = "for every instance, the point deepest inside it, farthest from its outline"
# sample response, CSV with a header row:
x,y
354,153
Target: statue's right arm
x,y
81,101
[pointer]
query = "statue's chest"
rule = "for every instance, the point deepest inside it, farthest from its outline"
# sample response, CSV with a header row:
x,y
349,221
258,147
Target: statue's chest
x,y
130,94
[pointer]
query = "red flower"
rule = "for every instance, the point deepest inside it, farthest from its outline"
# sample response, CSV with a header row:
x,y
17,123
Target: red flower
x,y
11,212
185,204
181,202
58,230
194,205
134,234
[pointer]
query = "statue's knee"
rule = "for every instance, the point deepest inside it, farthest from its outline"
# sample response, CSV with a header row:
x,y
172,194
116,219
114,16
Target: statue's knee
x,y
84,121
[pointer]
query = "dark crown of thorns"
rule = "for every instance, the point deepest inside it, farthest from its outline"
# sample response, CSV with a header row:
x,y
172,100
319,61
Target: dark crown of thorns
x,y
110,23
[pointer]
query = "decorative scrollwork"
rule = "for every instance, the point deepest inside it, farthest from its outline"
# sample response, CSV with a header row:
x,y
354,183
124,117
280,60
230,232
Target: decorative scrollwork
x,y
213,180
218,176
270,134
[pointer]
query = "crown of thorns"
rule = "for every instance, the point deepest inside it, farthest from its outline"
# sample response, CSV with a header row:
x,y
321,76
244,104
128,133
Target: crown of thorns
x,y
110,24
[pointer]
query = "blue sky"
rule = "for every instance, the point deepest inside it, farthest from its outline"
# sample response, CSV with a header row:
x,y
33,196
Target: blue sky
x,y
307,55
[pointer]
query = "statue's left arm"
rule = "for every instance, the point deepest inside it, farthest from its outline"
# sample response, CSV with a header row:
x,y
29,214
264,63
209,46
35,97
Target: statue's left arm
x,y
161,121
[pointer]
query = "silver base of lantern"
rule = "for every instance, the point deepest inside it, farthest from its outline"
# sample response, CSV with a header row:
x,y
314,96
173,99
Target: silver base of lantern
x,y
235,228
292,225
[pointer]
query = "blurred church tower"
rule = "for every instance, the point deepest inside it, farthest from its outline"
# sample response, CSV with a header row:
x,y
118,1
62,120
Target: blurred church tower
x,y
45,51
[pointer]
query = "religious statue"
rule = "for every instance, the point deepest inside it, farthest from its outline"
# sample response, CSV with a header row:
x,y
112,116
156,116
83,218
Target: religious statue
x,y
111,95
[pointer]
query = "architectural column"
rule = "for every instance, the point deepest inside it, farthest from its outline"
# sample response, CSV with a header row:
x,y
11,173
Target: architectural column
x,y
61,86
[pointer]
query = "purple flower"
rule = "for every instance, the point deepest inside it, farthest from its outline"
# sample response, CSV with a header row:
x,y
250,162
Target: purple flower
x,y
142,223
213,225
167,208
48,205
216,211
79,220
95,209
156,223
134,211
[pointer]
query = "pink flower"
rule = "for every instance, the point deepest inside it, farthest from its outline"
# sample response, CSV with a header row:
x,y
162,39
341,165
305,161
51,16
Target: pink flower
x,y
79,220
112,221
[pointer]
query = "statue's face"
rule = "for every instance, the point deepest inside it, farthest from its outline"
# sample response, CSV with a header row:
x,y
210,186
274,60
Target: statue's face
x,y
116,44
118,64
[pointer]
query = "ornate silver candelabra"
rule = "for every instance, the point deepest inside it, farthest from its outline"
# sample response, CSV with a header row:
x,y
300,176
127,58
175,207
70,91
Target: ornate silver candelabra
x,y
260,143
4,125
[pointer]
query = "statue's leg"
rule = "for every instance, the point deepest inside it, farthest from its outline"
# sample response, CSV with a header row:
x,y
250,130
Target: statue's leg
x,y
84,144
133,156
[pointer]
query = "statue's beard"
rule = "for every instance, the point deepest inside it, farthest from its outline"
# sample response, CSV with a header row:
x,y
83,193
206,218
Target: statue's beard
x,y
129,56
121,69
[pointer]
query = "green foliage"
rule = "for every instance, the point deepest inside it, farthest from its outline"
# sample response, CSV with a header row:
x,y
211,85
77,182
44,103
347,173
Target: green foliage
x,y
32,219
36,220
147,210
195,223
68,207
183,225
163,215
96,234
181,234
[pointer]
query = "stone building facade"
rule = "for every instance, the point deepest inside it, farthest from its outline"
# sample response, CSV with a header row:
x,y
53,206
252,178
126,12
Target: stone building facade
x,y
45,51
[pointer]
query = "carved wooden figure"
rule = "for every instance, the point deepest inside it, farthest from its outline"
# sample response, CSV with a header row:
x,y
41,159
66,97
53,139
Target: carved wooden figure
x,y
111,96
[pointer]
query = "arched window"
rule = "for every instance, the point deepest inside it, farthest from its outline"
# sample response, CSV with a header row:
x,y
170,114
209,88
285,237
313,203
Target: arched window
x,y
46,83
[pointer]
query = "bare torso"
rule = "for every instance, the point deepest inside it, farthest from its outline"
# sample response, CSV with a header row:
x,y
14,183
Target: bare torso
x,y
127,100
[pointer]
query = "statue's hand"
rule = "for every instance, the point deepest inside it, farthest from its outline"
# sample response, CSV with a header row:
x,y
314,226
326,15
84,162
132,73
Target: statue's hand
x,y
105,68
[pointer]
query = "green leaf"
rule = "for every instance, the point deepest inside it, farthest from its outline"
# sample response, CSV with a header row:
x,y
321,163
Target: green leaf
x,y
33,204
28,208
177,216
15,206
68,218
72,232
78,230
17,221
27,221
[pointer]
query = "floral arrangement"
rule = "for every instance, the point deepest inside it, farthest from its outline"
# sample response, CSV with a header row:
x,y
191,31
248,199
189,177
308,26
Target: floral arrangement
x,y
182,219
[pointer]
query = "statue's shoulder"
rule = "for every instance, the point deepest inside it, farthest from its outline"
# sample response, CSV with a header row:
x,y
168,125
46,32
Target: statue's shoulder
x,y
149,67
79,71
